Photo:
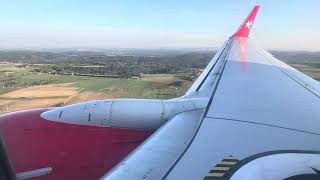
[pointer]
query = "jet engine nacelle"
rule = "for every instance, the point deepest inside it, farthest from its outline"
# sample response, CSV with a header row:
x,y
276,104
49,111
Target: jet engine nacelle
x,y
148,114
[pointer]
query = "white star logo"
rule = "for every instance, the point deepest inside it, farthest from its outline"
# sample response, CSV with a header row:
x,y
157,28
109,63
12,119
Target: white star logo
x,y
248,24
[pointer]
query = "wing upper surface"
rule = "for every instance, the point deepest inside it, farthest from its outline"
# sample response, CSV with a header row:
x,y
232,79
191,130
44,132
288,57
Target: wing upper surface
x,y
254,89
260,104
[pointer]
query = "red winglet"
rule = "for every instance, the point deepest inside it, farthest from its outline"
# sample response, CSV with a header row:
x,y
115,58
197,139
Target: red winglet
x,y
246,26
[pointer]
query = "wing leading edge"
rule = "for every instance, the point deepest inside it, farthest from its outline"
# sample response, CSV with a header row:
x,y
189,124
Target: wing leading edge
x,y
256,104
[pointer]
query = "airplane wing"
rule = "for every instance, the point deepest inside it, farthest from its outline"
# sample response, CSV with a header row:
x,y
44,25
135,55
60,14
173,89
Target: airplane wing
x,y
257,105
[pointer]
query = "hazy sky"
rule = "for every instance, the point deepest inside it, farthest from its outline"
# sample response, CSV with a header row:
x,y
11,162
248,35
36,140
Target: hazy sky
x,y
280,24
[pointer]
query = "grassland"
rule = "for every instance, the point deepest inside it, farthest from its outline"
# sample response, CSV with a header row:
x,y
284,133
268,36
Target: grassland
x,y
309,70
20,88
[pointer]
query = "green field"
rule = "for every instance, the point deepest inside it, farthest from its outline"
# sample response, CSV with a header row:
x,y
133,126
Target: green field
x,y
150,86
162,86
311,71
21,88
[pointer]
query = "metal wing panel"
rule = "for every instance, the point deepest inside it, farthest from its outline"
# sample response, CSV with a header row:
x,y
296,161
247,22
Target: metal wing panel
x,y
309,83
256,108
254,90
219,138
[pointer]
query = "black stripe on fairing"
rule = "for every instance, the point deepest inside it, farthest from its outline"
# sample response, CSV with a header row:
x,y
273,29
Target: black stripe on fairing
x,y
211,178
224,165
217,171
230,160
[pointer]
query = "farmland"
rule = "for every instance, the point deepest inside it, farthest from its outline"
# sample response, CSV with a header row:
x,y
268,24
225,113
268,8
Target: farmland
x,y
22,89
40,79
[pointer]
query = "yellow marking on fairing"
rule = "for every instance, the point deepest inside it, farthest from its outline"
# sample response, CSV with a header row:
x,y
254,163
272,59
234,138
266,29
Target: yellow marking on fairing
x,y
221,168
228,163
215,174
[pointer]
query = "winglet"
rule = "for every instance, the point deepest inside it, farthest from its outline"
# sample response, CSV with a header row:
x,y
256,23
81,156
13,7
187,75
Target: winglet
x,y
246,26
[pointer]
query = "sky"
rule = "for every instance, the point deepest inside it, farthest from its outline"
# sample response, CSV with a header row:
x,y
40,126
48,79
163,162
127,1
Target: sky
x,y
32,24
